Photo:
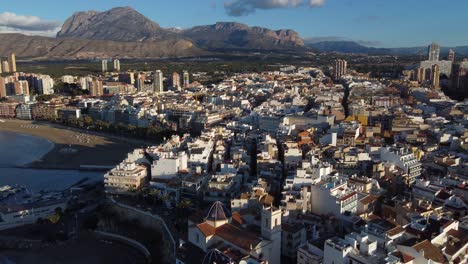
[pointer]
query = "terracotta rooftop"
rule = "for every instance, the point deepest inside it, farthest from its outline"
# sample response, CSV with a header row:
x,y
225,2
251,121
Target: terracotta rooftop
x,y
206,229
236,217
430,251
458,234
237,236
368,199
402,256
395,231
267,199
348,196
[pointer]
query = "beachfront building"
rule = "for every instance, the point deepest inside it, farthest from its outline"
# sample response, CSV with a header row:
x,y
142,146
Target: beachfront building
x,y
23,111
29,213
126,176
46,110
8,109
68,113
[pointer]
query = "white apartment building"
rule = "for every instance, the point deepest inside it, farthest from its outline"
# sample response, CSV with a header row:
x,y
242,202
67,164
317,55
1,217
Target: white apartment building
x,y
68,79
309,254
292,155
23,111
404,159
355,248
23,214
127,175
333,197
167,164
200,152
45,84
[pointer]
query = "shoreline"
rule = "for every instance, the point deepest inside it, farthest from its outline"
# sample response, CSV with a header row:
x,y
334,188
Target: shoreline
x,y
27,164
71,147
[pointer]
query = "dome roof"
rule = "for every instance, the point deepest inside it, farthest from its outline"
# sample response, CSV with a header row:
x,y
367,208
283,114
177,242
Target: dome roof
x,y
218,212
215,256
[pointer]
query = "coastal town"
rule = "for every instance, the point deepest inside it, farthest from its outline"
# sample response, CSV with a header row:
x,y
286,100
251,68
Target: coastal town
x,y
299,164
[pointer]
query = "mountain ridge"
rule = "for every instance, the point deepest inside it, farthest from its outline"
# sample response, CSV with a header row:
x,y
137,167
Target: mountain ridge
x,y
127,24
348,46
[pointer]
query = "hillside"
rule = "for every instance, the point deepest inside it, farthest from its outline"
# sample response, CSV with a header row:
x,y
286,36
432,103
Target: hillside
x,y
52,48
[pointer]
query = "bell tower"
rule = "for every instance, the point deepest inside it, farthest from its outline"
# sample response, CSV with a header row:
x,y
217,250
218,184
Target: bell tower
x,y
271,230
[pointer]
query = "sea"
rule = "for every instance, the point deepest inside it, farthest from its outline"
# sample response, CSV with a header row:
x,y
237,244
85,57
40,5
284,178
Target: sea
x,y
17,150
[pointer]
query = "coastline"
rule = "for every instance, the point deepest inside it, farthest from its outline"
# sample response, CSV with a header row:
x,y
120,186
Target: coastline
x,y
71,147
37,156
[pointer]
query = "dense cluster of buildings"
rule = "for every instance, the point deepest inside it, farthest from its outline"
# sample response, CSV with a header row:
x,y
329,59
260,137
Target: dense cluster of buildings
x,y
292,166
437,73
307,170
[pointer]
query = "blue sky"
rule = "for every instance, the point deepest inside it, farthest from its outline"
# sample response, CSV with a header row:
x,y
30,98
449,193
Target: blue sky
x,y
385,23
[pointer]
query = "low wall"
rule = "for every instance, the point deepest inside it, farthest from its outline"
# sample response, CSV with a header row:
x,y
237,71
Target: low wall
x,y
148,220
125,240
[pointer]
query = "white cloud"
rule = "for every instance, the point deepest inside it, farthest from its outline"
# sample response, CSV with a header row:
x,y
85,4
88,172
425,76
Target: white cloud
x,y
315,3
245,7
28,25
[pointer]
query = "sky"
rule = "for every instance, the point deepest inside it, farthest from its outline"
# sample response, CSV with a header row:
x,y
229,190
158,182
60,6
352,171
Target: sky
x,y
380,23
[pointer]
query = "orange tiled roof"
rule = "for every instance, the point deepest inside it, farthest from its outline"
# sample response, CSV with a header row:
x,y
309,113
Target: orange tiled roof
x,y
236,217
430,251
403,257
237,236
267,199
368,199
206,229
395,231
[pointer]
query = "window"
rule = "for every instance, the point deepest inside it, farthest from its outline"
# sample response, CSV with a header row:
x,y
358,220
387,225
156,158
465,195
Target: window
x,y
266,222
276,221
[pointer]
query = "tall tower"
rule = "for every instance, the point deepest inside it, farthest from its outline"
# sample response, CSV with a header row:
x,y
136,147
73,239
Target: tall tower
x,y
176,80
2,87
451,55
12,62
341,67
186,78
433,52
158,82
140,81
421,75
271,230
95,88
6,66
104,65
116,65
435,76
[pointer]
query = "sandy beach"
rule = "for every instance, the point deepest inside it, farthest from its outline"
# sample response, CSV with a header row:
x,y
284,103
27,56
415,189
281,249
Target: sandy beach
x,y
72,146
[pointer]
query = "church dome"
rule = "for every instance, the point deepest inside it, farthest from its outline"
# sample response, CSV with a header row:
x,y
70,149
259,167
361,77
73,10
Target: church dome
x,y
218,212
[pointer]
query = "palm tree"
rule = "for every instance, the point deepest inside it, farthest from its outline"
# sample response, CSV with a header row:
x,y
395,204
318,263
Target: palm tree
x,y
154,194
184,204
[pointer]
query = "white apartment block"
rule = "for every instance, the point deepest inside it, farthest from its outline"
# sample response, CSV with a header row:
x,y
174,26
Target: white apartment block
x,y
333,197
404,159
127,175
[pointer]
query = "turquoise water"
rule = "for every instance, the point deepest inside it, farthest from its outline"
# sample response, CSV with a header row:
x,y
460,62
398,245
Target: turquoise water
x,y
19,149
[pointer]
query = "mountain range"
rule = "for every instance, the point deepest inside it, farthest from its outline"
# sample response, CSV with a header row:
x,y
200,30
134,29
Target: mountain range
x,y
347,46
123,32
